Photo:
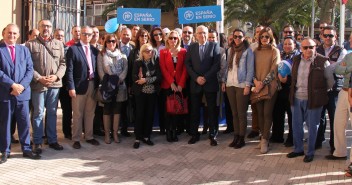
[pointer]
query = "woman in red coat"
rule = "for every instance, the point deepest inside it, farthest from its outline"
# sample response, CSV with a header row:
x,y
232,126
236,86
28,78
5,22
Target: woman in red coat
x,y
174,78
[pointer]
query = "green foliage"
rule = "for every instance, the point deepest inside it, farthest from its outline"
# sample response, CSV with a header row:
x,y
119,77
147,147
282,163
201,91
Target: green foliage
x,y
274,13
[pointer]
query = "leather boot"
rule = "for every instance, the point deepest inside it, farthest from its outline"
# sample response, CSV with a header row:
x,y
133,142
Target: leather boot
x,y
168,136
235,140
107,125
116,128
240,143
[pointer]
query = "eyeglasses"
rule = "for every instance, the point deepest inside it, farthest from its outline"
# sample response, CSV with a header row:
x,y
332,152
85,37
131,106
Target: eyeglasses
x,y
185,32
201,33
45,26
299,38
306,47
57,35
264,36
173,38
148,51
157,34
237,37
87,34
145,36
321,27
328,35
111,41
288,32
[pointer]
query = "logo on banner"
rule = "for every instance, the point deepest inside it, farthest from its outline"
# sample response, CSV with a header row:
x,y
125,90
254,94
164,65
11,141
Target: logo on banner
x,y
199,14
188,15
127,16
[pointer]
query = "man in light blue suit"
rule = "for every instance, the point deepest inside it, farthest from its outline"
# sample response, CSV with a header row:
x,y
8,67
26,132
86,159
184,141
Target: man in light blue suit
x,y
16,73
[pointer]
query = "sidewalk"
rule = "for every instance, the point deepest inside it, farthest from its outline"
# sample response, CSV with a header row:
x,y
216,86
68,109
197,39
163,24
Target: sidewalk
x,y
171,163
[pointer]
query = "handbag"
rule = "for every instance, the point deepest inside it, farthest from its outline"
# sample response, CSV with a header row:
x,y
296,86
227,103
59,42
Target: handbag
x,y
98,95
176,104
267,92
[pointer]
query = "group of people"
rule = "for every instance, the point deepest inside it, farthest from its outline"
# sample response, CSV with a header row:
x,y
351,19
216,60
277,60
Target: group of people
x,y
144,68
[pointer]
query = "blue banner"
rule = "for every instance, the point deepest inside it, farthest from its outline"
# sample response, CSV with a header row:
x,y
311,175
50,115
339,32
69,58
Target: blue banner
x,y
199,14
138,16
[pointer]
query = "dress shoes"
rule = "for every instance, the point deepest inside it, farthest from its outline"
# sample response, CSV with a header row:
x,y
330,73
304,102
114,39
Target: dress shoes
x,y
294,154
76,145
93,142
31,155
213,142
14,140
4,157
37,149
148,142
308,158
136,144
234,141
332,157
193,139
252,134
56,146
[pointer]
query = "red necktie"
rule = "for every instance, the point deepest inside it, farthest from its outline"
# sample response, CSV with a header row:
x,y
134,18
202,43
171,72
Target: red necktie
x,y
12,52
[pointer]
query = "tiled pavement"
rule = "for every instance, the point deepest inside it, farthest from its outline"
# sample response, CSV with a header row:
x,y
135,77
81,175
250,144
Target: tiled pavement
x,y
170,163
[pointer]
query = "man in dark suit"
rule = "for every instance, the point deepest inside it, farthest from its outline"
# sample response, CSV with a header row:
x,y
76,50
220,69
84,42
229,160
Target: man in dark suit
x,y
82,78
187,37
203,63
16,73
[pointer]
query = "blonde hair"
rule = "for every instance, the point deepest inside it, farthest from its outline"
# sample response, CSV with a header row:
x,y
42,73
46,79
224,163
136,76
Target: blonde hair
x,y
178,45
142,49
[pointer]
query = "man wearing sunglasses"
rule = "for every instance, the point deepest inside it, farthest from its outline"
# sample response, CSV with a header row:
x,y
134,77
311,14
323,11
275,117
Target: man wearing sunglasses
x,y
287,31
82,79
187,37
308,94
335,53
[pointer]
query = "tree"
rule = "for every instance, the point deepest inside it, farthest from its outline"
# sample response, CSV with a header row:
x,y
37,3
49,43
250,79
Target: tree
x,y
273,13
327,8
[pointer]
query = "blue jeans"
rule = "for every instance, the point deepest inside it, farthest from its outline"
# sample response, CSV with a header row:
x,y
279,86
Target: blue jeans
x,y
300,114
48,100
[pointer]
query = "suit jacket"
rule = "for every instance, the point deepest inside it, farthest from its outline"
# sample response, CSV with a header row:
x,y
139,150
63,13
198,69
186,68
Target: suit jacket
x,y
21,72
77,68
169,72
208,67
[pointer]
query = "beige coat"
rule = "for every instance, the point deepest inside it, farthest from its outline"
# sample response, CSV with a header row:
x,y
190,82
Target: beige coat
x,y
44,64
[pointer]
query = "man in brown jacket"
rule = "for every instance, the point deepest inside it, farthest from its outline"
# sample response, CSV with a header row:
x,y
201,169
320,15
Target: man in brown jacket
x,y
49,68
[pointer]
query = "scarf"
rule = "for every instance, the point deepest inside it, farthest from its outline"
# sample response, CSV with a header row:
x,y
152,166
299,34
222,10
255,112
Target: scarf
x,y
239,51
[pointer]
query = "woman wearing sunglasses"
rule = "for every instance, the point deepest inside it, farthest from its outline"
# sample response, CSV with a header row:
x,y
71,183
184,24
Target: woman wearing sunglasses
x,y
112,62
146,78
174,75
239,79
157,39
267,57
282,104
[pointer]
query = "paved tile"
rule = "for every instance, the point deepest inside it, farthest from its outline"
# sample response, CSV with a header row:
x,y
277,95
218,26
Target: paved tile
x,y
171,163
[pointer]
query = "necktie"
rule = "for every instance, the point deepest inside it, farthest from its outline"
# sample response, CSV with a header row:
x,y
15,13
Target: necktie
x,y
125,50
91,74
201,52
12,52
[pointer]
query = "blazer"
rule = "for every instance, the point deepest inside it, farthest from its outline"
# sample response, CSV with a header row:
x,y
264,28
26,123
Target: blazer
x,y
21,72
169,72
77,68
207,68
154,79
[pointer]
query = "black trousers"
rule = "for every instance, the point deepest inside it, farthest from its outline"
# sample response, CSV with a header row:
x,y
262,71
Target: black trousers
x,y
196,100
145,107
282,106
66,106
